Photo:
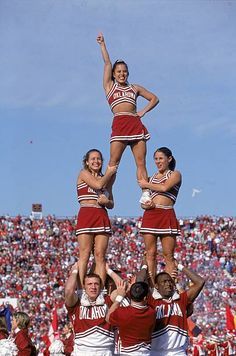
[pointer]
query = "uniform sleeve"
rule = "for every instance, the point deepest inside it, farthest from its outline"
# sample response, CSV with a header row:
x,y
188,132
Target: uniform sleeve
x,y
72,310
151,301
184,299
108,301
24,345
115,318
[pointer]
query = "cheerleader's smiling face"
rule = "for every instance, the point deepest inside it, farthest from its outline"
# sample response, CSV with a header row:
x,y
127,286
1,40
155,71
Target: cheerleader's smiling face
x,y
94,162
162,161
121,73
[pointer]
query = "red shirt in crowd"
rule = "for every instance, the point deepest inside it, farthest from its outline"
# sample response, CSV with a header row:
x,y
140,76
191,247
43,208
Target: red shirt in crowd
x,y
24,343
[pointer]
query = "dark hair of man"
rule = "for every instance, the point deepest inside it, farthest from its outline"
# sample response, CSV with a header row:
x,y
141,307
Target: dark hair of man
x,y
139,291
92,275
161,274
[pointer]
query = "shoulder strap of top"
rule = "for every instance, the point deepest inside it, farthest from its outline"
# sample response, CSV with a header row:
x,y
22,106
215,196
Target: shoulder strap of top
x,y
112,89
168,173
134,89
152,177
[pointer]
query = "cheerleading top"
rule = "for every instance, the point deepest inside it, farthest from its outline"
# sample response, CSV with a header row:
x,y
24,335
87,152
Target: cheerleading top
x,y
172,193
84,192
121,94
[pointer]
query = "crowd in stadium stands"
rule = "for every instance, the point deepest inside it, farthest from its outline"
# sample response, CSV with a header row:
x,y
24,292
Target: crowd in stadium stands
x,y
36,255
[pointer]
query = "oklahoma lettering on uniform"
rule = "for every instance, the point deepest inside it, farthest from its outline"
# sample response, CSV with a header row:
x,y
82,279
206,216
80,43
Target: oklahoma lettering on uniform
x,y
122,94
165,311
170,332
91,218
90,327
92,313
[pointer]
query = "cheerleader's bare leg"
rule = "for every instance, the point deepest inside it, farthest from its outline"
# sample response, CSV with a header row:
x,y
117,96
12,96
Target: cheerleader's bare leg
x,y
150,242
116,150
100,248
168,248
139,150
86,242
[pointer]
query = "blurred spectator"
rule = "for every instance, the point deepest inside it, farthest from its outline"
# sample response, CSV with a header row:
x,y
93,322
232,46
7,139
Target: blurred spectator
x,y
3,328
68,338
36,256
57,348
20,325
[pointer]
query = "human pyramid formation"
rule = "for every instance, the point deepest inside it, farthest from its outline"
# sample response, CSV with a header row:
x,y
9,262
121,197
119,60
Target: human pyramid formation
x,y
146,315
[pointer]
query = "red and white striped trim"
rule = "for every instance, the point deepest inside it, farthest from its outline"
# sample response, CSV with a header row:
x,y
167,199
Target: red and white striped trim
x,y
131,138
168,231
142,348
93,230
172,328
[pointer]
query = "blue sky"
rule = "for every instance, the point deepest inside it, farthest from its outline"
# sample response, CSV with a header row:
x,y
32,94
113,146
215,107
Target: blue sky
x,y
53,108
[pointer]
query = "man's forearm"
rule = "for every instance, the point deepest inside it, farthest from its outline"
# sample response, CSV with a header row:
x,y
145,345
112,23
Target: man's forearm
x,y
70,288
114,306
197,282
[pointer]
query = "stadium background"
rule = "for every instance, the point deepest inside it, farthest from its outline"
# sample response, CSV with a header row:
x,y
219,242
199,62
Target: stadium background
x,y
36,255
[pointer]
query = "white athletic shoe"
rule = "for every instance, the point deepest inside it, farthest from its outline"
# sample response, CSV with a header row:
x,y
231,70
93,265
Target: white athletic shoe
x,y
146,196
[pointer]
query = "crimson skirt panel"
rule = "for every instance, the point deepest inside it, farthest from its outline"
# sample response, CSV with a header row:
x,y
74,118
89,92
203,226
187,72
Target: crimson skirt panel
x,y
128,127
92,220
160,221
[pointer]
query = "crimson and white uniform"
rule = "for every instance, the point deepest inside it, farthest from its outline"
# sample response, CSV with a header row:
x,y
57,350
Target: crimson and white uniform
x,y
162,219
198,350
84,192
172,193
126,126
212,349
170,335
120,94
227,348
23,342
135,325
93,335
91,219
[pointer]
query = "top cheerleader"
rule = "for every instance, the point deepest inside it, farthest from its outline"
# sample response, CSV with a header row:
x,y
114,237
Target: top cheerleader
x,y
127,128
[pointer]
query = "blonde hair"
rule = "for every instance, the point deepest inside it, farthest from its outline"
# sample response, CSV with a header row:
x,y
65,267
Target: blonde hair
x,y
22,319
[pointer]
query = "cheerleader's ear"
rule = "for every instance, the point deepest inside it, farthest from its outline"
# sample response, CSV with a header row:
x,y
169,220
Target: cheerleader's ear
x,y
170,159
